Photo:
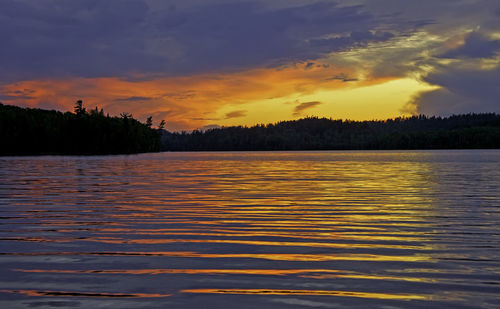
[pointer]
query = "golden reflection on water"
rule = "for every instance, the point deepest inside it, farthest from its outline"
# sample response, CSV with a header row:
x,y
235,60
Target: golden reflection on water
x,y
267,272
117,240
310,292
265,256
378,277
379,226
324,236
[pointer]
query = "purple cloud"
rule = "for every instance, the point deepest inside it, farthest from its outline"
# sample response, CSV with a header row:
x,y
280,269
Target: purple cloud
x,y
88,38
476,46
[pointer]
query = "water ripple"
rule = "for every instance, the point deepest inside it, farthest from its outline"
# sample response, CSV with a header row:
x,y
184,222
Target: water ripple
x,y
363,229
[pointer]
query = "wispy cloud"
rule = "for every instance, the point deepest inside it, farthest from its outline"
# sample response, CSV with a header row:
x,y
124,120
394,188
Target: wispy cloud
x,y
299,109
343,77
236,114
134,99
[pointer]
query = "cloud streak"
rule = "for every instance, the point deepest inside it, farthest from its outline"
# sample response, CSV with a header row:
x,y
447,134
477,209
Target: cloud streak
x,y
300,108
134,99
236,114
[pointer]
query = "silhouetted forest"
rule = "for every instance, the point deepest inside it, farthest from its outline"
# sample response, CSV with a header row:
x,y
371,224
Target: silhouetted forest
x,y
418,132
29,131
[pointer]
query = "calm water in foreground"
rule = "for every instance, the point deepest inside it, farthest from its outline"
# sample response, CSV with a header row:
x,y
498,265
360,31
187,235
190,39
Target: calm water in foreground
x,y
415,229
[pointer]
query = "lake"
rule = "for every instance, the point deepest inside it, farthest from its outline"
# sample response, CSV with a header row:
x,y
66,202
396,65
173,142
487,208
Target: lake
x,y
378,229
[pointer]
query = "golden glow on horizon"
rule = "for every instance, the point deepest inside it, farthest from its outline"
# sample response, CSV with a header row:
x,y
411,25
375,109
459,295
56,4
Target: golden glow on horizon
x,y
244,98
379,101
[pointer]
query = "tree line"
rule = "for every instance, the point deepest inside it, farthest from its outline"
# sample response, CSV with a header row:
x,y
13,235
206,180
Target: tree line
x,y
33,131
470,131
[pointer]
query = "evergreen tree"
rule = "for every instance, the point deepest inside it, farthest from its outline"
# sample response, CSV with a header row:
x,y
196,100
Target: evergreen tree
x,y
79,109
27,131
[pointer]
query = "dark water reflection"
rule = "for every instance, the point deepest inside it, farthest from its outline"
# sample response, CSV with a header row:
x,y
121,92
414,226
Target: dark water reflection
x,y
284,229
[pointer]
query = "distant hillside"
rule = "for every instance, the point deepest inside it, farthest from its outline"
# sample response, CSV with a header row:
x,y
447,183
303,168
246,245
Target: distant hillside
x,y
419,132
28,131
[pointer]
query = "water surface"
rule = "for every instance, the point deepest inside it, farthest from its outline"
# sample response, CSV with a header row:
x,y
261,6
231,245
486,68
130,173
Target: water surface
x,y
389,229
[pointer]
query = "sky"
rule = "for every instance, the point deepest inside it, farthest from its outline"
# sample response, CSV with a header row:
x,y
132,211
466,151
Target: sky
x,y
207,63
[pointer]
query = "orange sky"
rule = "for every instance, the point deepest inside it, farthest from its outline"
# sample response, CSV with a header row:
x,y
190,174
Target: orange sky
x,y
240,98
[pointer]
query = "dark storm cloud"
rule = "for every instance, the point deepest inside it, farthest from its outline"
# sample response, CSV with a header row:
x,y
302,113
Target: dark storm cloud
x,y
71,38
462,91
127,38
476,46
243,34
